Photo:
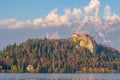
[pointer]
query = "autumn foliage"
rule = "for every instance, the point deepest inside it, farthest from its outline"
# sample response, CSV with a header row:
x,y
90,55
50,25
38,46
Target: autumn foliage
x,y
57,56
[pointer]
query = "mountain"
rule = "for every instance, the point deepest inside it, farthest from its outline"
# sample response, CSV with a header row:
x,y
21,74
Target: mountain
x,y
81,54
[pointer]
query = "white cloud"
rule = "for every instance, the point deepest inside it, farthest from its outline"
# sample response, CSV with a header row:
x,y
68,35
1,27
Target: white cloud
x,y
101,34
93,5
106,41
107,10
75,18
37,22
77,12
18,24
53,36
7,22
52,19
13,23
104,37
110,17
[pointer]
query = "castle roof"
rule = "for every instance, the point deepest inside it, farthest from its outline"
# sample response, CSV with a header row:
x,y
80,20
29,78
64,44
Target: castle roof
x,y
75,34
81,34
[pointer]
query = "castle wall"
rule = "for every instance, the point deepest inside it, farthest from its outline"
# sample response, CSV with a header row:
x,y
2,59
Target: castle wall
x,y
85,41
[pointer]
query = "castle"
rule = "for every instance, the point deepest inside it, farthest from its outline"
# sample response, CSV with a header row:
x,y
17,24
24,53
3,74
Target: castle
x,y
85,41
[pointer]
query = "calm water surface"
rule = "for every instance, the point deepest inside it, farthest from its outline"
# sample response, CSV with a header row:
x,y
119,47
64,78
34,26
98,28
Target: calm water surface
x,y
36,76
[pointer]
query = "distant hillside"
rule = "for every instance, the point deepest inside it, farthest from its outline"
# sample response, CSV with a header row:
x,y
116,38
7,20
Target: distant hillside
x,y
59,56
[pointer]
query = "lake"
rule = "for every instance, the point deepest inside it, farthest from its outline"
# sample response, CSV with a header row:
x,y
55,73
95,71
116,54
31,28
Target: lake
x,y
47,76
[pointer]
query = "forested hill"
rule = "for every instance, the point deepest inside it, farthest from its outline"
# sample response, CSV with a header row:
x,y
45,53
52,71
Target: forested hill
x,y
58,56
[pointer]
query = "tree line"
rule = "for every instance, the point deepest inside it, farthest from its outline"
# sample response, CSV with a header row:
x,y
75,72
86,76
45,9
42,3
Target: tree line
x,y
57,56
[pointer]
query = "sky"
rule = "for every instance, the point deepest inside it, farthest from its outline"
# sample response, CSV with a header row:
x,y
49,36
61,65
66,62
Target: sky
x,y
24,19
30,9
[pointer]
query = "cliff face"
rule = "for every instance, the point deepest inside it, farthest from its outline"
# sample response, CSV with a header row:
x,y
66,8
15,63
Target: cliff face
x,y
85,41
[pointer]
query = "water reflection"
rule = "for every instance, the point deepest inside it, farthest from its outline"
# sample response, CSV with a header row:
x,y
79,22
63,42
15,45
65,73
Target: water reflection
x,y
84,77
26,76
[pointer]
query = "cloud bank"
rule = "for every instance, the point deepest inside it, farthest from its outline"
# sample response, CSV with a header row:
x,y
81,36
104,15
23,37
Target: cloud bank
x,y
76,18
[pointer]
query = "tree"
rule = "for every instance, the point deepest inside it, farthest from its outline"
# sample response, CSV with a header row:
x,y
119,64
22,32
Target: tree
x,y
102,70
13,68
30,68
37,68
61,55
90,70
84,69
95,70
19,69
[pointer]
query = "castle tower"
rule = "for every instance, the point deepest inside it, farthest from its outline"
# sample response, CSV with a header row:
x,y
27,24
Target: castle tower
x,y
85,41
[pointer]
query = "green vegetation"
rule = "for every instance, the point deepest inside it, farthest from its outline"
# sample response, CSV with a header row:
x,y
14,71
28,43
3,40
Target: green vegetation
x,y
58,56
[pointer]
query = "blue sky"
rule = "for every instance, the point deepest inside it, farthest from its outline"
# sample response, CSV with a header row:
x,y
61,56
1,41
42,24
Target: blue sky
x,y
24,19
30,9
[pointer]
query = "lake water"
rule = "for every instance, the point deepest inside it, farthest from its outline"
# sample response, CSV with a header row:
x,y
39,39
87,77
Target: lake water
x,y
37,76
